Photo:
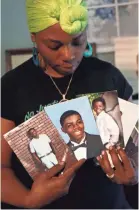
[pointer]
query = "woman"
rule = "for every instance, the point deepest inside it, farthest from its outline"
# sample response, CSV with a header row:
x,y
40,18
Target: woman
x,y
59,71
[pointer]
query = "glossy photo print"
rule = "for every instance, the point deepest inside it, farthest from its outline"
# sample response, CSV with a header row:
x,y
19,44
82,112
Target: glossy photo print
x,y
132,146
38,145
105,107
76,124
129,117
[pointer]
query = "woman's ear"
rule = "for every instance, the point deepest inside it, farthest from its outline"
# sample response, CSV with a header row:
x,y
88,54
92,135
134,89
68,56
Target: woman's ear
x,y
33,37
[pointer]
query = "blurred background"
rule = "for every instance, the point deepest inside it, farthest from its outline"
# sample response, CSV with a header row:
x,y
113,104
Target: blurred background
x,y
112,30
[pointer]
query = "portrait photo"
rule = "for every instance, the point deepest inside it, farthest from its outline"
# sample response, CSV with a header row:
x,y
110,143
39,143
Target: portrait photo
x,y
105,108
76,124
132,146
128,111
38,145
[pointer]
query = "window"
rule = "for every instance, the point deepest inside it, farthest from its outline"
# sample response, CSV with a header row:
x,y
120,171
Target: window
x,y
109,19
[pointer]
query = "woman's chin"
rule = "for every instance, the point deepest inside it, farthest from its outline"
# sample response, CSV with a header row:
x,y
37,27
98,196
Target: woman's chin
x,y
66,71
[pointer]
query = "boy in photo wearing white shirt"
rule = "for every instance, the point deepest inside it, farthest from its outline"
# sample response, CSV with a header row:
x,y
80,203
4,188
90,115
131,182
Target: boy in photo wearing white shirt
x,y
41,148
108,128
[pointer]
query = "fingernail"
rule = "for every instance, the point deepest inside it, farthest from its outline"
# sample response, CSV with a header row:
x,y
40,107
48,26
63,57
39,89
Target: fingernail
x,y
110,148
103,153
98,158
118,147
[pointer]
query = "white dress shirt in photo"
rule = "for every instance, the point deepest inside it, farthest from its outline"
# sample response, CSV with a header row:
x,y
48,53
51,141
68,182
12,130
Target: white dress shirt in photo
x,y
108,129
41,146
81,152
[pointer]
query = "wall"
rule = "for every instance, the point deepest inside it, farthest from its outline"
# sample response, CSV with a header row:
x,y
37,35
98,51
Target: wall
x,y
14,31
107,57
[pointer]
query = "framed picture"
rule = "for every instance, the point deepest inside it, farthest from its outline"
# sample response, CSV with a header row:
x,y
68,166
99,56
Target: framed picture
x,y
15,57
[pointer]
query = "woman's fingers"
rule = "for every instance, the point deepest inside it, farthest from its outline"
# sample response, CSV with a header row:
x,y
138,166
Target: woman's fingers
x,y
122,171
54,170
115,159
124,158
105,163
127,166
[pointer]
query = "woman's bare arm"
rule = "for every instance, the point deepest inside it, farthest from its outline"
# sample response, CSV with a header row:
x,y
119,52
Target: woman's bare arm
x,y
12,190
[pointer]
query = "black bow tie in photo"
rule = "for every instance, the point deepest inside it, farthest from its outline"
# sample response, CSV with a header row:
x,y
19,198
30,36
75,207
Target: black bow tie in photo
x,y
78,146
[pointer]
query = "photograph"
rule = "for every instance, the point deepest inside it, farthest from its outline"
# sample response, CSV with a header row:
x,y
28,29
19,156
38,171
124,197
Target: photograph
x,y
76,124
132,146
128,111
105,108
38,145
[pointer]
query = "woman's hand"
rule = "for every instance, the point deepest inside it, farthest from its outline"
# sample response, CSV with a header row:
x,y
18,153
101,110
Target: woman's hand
x,y
49,186
123,172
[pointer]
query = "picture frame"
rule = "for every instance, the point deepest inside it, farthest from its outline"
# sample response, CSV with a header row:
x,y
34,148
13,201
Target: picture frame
x,y
15,57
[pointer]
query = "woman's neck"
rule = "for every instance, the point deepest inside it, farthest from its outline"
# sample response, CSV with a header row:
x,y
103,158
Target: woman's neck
x,y
48,69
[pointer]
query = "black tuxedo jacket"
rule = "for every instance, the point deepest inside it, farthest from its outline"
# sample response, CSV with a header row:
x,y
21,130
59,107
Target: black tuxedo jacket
x,y
92,142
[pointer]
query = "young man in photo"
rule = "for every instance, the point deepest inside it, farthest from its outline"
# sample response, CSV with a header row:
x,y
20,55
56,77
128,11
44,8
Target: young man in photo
x,y
108,128
41,147
83,144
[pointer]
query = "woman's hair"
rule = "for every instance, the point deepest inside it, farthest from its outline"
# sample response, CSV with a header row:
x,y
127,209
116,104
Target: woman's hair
x,y
70,14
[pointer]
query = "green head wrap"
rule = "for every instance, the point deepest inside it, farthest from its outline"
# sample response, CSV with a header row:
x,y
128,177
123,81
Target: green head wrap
x,y
70,14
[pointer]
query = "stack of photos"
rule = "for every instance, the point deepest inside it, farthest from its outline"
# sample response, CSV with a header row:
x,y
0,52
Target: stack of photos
x,y
122,121
63,132
75,129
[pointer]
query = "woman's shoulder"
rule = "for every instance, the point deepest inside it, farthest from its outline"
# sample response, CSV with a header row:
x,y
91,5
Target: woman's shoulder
x,y
97,69
96,64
